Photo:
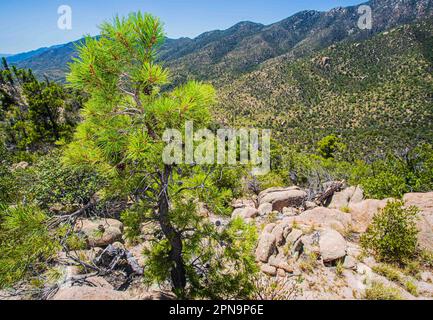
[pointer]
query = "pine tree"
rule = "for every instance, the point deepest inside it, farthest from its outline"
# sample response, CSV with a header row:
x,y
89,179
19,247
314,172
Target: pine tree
x,y
123,136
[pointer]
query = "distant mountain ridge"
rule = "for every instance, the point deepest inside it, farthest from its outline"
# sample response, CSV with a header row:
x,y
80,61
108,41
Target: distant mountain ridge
x,y
376,94
221,55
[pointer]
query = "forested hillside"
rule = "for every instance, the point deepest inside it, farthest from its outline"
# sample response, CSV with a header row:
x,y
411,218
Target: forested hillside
x,y
375,94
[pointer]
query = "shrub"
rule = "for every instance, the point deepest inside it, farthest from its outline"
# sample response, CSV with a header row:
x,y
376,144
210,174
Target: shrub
x,y
392,236
6,178
411,288
383,185
426,258
378,291
388,271
329,146
270,180
53,183
26,244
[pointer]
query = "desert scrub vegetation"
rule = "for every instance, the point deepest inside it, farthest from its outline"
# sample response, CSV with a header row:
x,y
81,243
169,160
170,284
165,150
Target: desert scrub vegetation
x,y
26,243
388,175
379,291
388,271
397,275
392,235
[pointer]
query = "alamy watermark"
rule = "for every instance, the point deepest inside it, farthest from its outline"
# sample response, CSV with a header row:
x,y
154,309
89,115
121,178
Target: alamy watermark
x,y
227,146
64,22
365,21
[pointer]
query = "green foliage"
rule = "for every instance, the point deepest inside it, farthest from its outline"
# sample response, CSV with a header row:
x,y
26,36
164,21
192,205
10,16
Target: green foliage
x,y
388,271
56,184
379,291
221,264
226,178
380,178
35,114
392,235
361,96
230,264
133,219
270,180
122,135
6,177
411,288
397,175
329,146
26,245
426,258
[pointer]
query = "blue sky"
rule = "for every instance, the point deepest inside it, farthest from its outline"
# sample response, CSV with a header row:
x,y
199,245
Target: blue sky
x,y
29,24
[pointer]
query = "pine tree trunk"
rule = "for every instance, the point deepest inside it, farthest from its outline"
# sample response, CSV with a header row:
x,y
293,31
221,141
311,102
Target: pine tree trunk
x,y
178,273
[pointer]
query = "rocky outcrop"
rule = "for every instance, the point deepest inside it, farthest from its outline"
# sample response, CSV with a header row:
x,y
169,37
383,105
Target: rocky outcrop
x,y
332,245
266,247
269,270
281,198
321,217
424,202
245,213
265,209
20,166
100,232
243,203
347,197
281,232
362,213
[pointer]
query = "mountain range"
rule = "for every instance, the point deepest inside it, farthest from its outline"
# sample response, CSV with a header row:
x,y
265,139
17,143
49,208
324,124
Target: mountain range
x,y
309,75
246,45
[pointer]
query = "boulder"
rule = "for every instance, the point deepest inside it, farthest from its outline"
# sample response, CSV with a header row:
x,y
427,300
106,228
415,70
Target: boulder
x,y
423,201
265,209
349,263
362,213
203,210
310,243
88,293
310,205
269,270
325,62
321,217
99,282
332,245
137,252
20,166
243,203
280,263
266,247
281,273
283,197
293,237
268,228
245,213
280,232
100,232
346,197
290,212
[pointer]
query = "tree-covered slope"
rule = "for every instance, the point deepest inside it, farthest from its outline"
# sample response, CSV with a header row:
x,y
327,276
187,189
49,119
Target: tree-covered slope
x,y
378,91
